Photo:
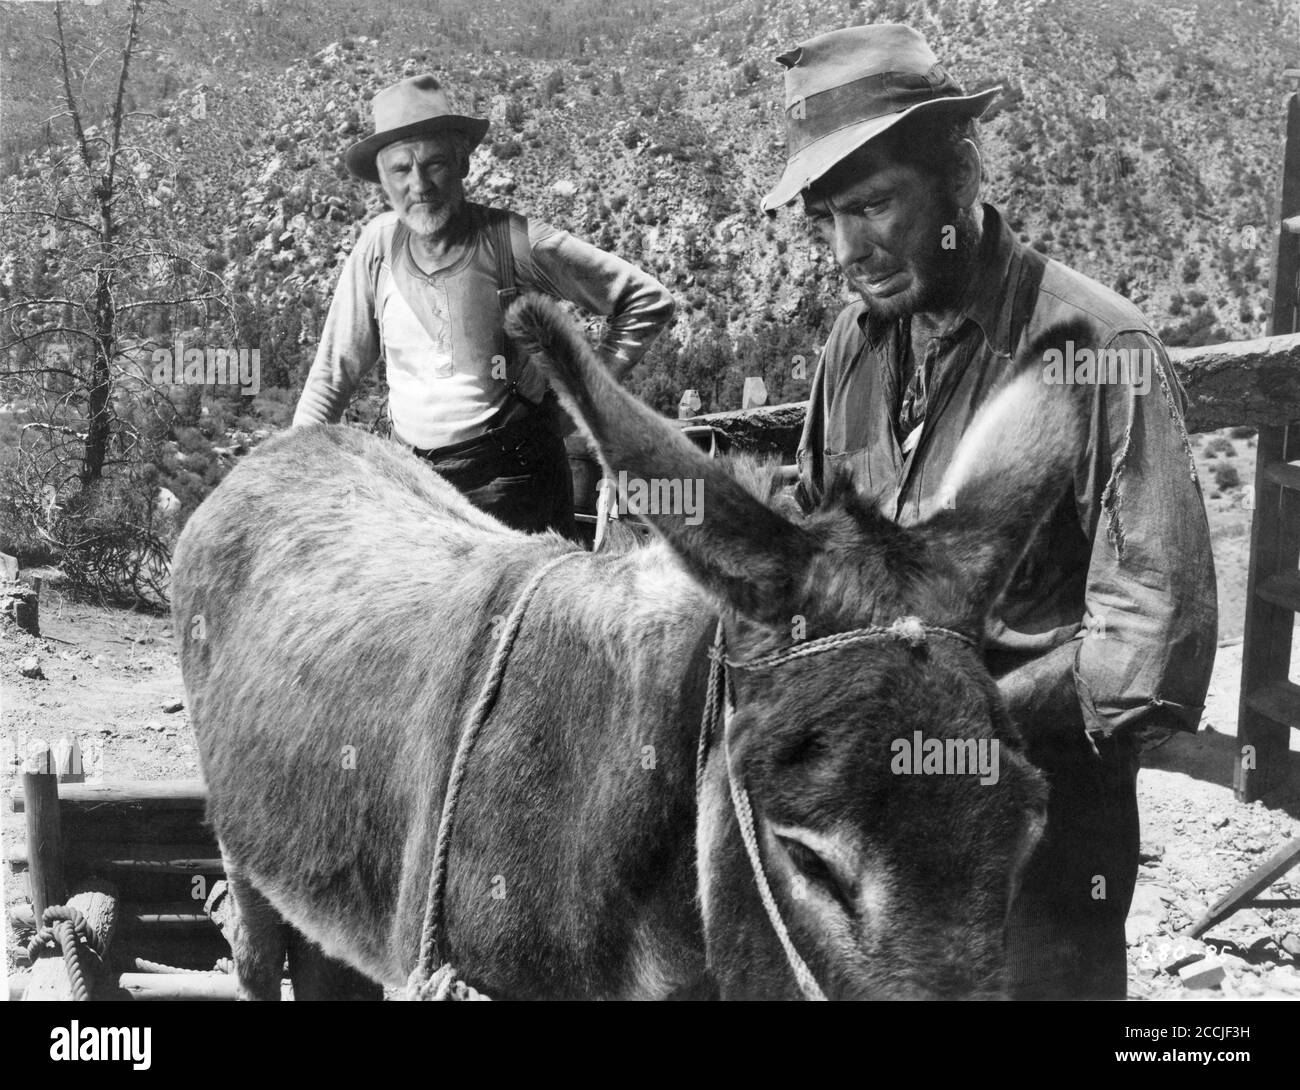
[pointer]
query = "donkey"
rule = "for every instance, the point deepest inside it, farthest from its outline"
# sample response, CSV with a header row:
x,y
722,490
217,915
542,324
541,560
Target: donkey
x,y
337,604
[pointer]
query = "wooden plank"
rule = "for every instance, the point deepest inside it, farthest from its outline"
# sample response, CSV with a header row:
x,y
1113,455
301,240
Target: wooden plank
x,y
1283,317
171,916
128,795
1279,702
141,858
93,835
145,987
772,429
1284,474
154,987
1254,382
46,880
1262,715
1243,892
1281,589
1268,705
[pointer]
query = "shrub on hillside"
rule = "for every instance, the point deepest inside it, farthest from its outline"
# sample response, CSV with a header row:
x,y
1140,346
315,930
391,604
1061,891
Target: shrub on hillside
x,y
1226,477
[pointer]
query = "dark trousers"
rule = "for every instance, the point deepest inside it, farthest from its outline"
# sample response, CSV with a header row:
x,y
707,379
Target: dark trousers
x,y
528,489
1065,931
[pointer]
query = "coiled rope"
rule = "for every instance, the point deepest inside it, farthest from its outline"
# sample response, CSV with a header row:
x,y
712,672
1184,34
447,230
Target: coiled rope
x,y
69,930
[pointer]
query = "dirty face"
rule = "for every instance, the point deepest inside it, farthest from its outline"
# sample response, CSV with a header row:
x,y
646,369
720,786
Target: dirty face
x,y
903,238
424,182
894,864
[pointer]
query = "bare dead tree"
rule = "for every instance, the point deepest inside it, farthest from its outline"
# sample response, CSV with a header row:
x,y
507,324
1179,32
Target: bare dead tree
x,y
73,350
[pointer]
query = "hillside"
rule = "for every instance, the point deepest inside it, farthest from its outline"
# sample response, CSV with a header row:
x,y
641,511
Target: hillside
x,y
1136,141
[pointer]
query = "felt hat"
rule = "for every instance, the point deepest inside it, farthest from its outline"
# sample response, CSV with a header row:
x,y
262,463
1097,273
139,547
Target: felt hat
x,y
849,86
416,107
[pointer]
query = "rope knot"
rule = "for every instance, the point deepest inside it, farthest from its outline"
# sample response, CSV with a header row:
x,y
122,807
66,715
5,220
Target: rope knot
x,y
911,630
442,987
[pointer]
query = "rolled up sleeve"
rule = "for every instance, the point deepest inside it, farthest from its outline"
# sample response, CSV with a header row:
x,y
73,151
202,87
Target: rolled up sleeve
x,y
1152,617
636,304
349,344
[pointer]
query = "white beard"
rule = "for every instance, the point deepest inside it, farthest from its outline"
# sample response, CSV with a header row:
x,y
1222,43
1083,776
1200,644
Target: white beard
x,y
427,220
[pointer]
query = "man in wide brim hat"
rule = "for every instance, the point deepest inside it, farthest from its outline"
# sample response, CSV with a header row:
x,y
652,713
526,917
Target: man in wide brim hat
x,y
425,289
847,87
1104,637
415,107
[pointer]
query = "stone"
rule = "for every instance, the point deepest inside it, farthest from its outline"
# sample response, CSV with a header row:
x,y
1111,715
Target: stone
x,y
20,607
31,667
1151,852
1285,980
1291,944
1181,953
171,706
1246,920
1149,900
1206,973
1137,928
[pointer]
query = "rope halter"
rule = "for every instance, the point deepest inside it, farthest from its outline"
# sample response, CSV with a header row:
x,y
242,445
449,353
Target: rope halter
x,y
909,630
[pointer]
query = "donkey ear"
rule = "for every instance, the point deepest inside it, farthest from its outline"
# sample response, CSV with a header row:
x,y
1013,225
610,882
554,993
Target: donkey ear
x,y
735,545
1010,470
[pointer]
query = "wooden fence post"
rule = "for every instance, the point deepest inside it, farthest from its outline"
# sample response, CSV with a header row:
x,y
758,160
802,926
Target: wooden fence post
x,y
45,876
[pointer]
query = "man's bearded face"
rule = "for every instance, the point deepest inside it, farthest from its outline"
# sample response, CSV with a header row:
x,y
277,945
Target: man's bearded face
x,y
904,243
424,182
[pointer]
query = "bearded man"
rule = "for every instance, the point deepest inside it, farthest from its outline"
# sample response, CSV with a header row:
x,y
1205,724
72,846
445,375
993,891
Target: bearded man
x,y
426,287
1107,631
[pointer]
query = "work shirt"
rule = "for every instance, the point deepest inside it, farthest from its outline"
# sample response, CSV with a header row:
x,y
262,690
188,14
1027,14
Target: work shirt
x,y
1123,566
441,334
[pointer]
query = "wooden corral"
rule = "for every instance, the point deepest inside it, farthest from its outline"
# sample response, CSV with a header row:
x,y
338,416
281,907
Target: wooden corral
x,y
138,863
1240,382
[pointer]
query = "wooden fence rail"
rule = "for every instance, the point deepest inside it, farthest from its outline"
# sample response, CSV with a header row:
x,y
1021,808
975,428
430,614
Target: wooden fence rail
x,y
1253,382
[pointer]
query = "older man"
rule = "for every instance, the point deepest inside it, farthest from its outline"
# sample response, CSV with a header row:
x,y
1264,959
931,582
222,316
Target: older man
x,y
1107,631
426,287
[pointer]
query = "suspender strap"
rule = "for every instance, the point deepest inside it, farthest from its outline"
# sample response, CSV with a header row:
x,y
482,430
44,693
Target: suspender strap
x,y
497,223
503,250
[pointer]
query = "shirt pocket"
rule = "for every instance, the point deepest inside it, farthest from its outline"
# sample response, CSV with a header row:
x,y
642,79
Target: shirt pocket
x,y
857,463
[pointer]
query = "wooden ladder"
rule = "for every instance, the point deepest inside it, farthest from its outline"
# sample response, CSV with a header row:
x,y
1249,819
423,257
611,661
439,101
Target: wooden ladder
x,y
1270,701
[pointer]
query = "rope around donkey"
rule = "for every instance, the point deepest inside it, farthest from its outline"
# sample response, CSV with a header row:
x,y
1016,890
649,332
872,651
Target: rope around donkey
x,y
433,977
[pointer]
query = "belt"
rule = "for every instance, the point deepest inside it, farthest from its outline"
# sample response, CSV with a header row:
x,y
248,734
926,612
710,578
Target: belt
x,y
520,439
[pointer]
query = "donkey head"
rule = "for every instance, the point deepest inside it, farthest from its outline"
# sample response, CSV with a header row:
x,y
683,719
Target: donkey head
x,y
893,808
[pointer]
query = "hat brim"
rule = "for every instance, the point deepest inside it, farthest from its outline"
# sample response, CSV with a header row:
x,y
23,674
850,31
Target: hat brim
x,y
360,157
809,164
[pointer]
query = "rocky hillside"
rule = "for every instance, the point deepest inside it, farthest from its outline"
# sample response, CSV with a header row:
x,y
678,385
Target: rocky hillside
x,y
1137,141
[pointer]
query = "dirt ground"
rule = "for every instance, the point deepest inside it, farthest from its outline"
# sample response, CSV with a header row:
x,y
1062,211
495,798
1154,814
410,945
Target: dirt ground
x,y
110,673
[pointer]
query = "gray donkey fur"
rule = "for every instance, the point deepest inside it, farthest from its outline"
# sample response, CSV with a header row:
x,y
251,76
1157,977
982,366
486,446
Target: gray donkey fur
x,y
337,603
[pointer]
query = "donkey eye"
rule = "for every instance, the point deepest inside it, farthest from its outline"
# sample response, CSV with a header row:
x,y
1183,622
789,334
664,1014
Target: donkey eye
x,y
817,871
